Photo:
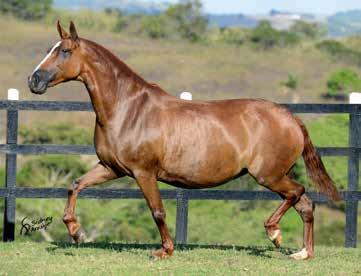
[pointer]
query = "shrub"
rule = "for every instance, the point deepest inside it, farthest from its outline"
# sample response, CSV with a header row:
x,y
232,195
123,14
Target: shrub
x,y
121,21
232,35
56,170
308,30
184,20
155,26
343,81
188,19
25,9
266,37
56,134
51,170
84,19
291,82
340,52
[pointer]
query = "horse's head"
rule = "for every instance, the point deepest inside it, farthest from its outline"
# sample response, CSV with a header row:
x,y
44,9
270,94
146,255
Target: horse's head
x,y
62,63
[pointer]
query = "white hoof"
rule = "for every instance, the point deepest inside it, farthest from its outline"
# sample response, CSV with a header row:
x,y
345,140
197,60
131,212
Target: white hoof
x,y
276,238
302,255
275,235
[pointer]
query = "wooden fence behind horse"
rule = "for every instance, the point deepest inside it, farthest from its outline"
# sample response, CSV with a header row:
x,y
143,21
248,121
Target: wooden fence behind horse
x,y
11,149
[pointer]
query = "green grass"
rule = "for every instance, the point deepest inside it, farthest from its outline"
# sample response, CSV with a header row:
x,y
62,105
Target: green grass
x,y
119,259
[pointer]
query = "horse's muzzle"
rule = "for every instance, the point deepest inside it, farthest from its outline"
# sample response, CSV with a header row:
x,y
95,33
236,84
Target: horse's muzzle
x,y
38,82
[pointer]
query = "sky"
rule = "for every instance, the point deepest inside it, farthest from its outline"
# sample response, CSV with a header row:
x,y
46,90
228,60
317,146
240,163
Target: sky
x,y
264,6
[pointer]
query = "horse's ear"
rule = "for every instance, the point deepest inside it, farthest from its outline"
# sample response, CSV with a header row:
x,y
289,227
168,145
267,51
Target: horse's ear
x,y
63,34
73,33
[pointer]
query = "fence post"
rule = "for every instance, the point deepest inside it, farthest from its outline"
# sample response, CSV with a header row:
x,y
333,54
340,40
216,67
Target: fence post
x,y
10,181
353,179
182,216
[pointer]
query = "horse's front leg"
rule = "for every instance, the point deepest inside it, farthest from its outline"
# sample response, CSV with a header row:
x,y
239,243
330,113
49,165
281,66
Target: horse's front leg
x,y
148,185
97,175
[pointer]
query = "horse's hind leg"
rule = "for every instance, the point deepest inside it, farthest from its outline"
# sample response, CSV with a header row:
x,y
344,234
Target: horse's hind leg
x,y
305,208
97,175
291,192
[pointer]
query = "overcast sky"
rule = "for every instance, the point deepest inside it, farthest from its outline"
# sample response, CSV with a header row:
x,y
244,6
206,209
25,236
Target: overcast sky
x,y
264,6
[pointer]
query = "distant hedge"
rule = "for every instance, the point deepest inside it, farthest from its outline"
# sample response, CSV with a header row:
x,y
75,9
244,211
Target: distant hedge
x,y
340,52
26,9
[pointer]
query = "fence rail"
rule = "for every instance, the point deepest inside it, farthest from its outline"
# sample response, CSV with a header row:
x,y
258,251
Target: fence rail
x,y
11,149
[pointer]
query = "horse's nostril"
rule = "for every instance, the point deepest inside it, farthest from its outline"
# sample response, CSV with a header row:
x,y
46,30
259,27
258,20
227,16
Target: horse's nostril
x,y
35,79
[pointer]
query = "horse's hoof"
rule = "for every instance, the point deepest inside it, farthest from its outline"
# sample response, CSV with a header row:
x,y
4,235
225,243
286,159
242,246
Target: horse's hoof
x,y
79,236
160,254
276,238
302,255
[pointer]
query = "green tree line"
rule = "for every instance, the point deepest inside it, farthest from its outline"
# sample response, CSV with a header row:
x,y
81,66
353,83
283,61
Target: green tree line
x,y
185,20
25,9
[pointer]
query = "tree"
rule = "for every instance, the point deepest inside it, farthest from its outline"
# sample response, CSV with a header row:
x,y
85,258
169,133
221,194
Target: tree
x,y
267,37
121,22
309,30
26,9
188,18
155,26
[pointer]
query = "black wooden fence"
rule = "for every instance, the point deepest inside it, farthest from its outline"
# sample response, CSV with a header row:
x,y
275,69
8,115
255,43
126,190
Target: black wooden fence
x,y
10,192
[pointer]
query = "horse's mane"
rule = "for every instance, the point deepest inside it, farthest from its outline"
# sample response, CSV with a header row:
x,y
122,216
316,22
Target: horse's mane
x,y
109,59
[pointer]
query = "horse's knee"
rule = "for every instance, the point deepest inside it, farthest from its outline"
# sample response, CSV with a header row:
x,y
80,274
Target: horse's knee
x,y
158,215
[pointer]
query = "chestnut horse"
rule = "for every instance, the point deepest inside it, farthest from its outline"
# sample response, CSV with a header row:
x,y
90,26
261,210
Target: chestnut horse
x,y
145,133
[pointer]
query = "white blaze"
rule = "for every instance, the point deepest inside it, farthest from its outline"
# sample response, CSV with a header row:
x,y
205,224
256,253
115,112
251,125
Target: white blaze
x,y
47,56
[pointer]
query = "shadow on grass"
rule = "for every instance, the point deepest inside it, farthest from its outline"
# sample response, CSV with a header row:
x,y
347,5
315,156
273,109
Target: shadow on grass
x,y
260,251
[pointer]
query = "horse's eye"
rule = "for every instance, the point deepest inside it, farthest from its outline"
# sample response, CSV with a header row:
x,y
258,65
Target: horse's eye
x,y
65,51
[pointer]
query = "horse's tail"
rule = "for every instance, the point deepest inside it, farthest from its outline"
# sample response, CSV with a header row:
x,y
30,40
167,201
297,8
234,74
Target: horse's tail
x,y
315,167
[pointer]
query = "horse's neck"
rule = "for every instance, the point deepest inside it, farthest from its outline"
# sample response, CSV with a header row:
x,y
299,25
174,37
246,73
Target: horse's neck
x,y
110,84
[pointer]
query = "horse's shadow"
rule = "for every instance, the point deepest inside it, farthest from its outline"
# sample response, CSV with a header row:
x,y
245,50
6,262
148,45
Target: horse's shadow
x,y
260,251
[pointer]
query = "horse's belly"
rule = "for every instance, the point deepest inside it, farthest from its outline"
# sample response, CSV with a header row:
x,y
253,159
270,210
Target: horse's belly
x,y
206,167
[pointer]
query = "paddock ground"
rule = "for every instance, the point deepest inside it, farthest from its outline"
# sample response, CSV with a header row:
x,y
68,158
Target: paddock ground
x,y
28,258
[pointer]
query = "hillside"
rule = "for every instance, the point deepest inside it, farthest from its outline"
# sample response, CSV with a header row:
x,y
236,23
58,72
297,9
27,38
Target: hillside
x,y
339,24
209,71
345,23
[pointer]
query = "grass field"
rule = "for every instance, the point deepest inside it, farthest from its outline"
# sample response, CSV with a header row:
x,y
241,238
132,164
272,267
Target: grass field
x,y
119,259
